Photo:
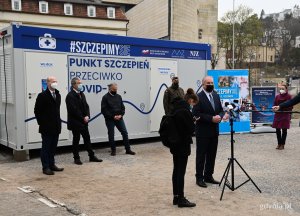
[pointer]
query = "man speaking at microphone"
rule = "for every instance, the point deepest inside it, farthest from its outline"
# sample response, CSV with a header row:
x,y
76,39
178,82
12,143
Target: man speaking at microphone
x,y
210,113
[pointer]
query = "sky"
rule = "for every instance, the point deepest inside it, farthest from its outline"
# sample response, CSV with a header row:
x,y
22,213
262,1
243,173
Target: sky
x,y
270,6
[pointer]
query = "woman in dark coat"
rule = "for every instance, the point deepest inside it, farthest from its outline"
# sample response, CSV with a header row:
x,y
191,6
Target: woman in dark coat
x,y
282,120
182,149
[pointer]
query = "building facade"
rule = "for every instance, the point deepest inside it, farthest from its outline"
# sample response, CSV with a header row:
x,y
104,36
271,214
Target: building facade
x,y
78,15
180,20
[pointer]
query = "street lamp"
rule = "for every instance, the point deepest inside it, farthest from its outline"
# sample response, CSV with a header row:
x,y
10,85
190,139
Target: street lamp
x,y
233,35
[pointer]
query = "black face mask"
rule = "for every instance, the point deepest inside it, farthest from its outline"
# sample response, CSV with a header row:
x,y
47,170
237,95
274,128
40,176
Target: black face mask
x,y
113,92
209,88
175,85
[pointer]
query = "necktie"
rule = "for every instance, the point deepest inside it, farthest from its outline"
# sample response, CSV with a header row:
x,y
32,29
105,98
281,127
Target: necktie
x,y
54,95
211,100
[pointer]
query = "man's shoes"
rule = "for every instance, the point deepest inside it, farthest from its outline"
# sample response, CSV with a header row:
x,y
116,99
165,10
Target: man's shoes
x,y
278,146
77,161
211,180
175,200
95,159
183,202
48,171
281,147
56,169
201,183
113,153
130,152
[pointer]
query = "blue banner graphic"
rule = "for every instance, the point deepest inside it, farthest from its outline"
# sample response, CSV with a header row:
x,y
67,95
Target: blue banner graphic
x,y
233,88
54,40
263,99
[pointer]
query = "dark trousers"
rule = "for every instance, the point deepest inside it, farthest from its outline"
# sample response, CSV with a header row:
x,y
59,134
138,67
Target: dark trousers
x,y
179,168
206,156
281,136
120,125
49,144
86,140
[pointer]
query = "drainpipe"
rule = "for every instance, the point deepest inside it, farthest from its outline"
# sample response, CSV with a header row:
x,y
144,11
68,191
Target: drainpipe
x,y
169,18
127,27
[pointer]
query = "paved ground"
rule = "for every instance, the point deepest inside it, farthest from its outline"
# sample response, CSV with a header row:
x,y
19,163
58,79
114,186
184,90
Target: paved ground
x,y
141,184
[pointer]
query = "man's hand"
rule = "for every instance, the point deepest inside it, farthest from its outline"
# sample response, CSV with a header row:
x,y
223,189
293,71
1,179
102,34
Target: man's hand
x,y
117,117
275,108
216,119
225,117
86,119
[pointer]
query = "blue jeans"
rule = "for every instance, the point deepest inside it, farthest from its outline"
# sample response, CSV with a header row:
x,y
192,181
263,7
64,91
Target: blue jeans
x,y
49,144
111,124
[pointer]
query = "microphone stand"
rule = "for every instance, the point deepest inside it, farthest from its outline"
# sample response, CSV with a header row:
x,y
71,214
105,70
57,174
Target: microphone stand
x,y
230,165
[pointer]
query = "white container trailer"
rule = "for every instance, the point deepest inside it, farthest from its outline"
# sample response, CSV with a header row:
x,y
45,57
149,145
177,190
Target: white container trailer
x,y
142,68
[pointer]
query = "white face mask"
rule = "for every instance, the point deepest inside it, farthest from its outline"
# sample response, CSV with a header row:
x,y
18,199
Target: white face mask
x,y
54,85
282,91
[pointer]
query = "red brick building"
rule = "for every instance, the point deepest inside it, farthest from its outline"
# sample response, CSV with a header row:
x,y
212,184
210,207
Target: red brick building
x,y
81,15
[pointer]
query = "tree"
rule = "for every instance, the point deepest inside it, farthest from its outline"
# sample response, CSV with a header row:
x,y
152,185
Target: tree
x,y
262,14
248,31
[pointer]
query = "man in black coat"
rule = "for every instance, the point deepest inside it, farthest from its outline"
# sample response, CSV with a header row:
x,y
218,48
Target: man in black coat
x,y
47,113
78,119
113,109
210,113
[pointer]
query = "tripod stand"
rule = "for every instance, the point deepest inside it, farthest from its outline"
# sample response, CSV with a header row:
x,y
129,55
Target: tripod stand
x,y
230,166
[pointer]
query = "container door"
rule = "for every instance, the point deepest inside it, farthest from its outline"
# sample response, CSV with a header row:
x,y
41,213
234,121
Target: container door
x,y
38,67
161,73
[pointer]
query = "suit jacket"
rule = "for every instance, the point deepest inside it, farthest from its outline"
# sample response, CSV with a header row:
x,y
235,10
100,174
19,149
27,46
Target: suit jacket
x,y
291,102
47,113
205,127
77,108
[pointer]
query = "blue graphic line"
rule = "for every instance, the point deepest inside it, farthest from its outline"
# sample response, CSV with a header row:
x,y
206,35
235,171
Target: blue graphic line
x,y
141,111
199,89
127,102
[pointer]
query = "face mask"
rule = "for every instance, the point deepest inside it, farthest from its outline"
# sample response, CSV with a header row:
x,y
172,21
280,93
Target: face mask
x,y
54,85
80,87
113,92
209,88
282,91
175,85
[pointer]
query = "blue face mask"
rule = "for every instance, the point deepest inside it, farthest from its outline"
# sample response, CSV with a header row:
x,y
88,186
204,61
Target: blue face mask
x,y
80,87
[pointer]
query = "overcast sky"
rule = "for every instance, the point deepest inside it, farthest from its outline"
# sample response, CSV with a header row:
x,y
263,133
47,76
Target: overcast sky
x,y
270,6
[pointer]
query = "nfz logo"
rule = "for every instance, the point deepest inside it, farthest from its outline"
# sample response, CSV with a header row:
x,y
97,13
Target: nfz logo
x,y
178,53
146,52
47,42
194,53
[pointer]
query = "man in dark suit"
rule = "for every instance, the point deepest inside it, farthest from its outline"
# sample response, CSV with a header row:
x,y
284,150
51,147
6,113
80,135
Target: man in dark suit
x,y
78,119
47,113
113,109
210,113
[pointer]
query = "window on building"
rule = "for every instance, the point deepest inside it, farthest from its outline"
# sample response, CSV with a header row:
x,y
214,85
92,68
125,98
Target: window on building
x,y
68,8
91,11
111,12
271,58
43,6
16,5
200,33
